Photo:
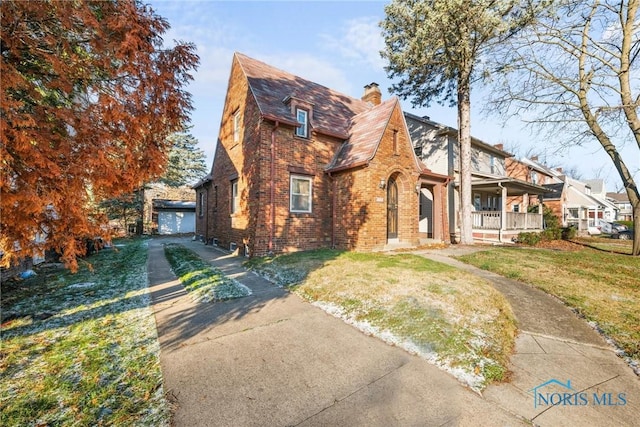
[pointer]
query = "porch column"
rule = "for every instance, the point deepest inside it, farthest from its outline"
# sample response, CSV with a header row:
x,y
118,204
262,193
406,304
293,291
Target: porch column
x,y
540,212
436,213
503,214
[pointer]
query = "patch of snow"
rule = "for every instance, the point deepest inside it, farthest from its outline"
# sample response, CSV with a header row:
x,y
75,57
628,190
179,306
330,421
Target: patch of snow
x,y
82,285
635,367
470,379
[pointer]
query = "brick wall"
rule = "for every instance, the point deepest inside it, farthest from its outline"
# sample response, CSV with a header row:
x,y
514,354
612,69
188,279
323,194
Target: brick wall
x,y
361,207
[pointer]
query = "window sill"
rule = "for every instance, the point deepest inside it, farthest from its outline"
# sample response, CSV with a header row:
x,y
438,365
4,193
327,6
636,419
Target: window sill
x,y
301,215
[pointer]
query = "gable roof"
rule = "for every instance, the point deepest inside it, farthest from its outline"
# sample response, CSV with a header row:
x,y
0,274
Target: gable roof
x,y
597,185
365,134
272,88
555,191
542,168
447,130
619,197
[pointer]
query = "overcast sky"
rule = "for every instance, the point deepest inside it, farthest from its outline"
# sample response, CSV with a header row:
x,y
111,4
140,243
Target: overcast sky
x,y
336,44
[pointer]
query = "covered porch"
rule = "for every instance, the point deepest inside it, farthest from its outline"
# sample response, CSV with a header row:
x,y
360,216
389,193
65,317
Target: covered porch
x,y
501,208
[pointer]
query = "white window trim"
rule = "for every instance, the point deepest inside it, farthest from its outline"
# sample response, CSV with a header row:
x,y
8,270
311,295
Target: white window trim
x,y
302,130
291,194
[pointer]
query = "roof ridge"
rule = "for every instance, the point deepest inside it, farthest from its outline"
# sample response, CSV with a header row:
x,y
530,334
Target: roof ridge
x,y
238,54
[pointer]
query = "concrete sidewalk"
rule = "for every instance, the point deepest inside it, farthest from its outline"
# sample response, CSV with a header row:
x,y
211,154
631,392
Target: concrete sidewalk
x,y
273,360
553,343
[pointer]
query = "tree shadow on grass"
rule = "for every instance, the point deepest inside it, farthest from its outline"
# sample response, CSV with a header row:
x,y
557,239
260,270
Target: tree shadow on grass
x,y
593,246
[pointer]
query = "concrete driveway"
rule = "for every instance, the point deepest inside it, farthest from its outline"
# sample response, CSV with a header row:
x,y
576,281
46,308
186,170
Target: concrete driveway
x,y
273,359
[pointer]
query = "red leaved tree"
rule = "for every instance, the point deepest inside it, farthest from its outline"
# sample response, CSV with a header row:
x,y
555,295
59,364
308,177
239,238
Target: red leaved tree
x,y
89,96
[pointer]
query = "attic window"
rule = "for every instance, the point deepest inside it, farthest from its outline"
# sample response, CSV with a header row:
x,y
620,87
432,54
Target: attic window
x,y
302,116
236,126
395,141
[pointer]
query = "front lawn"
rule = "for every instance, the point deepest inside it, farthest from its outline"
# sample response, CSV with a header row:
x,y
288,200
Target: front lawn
x,y
81,349
452,318
604,287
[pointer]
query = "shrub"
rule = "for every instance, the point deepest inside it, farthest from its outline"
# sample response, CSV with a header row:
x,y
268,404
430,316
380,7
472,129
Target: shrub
x,y
569,233
551,234
530,239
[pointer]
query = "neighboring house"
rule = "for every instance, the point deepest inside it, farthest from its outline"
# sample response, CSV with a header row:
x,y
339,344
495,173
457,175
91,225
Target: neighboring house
x,y
608,211
530,171
168,210
493,220
622,203
300,166
570,200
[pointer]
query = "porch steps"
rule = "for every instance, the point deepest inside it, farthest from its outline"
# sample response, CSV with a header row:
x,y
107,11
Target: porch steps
x,y
397,245
428,241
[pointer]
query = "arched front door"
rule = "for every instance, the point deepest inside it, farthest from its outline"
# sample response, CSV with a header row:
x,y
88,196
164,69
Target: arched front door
x,y
392,209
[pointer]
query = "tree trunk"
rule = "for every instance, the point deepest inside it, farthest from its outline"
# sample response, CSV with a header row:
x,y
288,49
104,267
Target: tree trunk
x,y
635,205
464,140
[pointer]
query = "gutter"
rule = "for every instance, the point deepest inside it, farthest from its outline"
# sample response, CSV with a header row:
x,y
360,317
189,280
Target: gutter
x,y
272,189
333,209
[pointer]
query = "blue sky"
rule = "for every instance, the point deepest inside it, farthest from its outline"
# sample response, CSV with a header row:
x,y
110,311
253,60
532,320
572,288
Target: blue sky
x,y
336,44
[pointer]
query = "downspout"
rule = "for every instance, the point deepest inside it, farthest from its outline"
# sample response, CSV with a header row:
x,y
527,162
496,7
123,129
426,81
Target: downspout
x,y
272,187
206,216
333,210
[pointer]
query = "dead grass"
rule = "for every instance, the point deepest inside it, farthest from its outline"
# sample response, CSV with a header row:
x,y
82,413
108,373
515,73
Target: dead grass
x,y
602,286
440,310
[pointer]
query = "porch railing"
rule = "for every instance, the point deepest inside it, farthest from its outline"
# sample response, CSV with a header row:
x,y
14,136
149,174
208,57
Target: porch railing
x,y
486,220
492,220
524,221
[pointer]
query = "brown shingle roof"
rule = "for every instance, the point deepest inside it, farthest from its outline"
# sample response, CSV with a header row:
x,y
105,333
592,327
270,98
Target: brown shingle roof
x,y
270,86
358,122
365,134
619,197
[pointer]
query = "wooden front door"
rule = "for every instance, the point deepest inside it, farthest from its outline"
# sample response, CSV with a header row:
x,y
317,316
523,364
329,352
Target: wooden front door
x,y
392,209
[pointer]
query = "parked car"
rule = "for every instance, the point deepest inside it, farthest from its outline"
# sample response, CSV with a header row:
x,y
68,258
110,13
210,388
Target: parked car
x,y
623,235
611,227
616,227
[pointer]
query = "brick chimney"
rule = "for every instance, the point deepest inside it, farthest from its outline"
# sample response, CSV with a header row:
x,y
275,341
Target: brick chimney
x,y
559,170
534,158
372,94
499,146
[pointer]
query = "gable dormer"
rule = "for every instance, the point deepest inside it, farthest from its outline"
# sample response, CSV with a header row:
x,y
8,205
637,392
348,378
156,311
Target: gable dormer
x,y
302,112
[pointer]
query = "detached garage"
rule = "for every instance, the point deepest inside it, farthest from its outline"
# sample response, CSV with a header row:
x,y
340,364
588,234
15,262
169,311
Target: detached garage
x,y
174,216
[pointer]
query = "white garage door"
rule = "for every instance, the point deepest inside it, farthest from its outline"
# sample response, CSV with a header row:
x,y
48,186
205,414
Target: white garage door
x,y
176,222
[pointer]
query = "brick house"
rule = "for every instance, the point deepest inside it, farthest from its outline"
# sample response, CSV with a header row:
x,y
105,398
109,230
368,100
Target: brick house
x,y
527,170
300,166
